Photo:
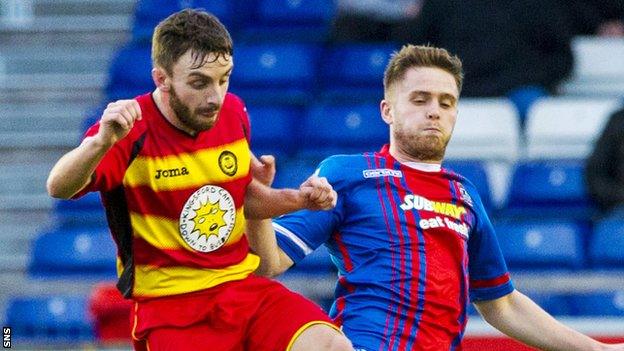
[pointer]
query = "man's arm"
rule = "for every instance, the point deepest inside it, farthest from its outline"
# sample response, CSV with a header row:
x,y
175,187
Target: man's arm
x,y
519,317
263,242
74,170
262,201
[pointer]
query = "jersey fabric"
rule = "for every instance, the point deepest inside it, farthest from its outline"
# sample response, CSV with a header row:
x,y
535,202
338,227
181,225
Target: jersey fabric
x,y
411,248
174,202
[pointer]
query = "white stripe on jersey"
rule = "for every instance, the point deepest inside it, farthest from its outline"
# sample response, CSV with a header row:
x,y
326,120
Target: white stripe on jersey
x,y
294,238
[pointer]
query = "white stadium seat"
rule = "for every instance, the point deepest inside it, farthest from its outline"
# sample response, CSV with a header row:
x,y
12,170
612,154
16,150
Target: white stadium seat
x,y
566,127
486,129
598,68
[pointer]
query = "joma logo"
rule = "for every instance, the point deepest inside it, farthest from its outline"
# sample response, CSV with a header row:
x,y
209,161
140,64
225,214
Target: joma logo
x,y
174,172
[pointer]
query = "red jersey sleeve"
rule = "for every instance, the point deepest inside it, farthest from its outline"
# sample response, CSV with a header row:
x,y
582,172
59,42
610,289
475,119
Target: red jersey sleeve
x,y
110,171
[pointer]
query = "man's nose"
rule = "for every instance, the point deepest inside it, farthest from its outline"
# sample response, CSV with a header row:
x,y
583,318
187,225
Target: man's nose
x,y
434,111
214,95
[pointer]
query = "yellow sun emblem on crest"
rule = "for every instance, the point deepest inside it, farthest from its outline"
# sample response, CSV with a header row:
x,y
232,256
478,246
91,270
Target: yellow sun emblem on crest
x,y
209,219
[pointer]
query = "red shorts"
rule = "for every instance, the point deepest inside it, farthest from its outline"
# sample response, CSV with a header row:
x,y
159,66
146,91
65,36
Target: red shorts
x,y
251,314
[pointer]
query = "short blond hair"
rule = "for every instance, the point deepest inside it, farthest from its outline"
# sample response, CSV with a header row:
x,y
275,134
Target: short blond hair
x,y
421,56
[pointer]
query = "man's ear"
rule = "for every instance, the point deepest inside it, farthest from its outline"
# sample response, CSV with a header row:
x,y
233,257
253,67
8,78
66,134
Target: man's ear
x,y
386,111
161,79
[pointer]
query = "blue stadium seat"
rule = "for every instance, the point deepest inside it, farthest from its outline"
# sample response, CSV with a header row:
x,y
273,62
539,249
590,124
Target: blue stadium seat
x,y
335,128
292,173
50,319
88,253
354,72
289,20
130,72
273,130
148,13
606,247
86,211
476,172
532,244
275,74
549,189
599,304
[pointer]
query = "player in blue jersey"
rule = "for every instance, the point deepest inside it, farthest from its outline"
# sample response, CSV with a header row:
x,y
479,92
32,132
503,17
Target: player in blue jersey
x,y
411,240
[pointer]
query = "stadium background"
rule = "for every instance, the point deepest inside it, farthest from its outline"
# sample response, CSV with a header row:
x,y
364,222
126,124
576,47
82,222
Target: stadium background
x,y
61,60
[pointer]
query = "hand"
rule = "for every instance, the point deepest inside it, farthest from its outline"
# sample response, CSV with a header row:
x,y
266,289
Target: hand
x,y
117,120
318,193
263,170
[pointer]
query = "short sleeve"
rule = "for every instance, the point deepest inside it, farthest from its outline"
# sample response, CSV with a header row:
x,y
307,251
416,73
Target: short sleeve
x,y
300,233
110,171
489,277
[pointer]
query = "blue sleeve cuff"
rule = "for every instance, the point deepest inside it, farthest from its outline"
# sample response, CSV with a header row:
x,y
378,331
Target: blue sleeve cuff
x,y
493,293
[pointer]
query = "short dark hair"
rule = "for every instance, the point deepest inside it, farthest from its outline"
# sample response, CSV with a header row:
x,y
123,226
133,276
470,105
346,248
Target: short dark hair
x,y
193,29
421,56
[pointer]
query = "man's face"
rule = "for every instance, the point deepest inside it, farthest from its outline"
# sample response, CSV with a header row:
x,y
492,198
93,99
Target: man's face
x,y
197,91
421,110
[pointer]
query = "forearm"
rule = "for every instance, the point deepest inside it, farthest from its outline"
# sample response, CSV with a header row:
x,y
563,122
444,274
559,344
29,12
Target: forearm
x,y
520,318
73,171
263,242
262,202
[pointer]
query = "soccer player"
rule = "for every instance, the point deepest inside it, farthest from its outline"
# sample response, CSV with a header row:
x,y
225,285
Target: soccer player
x,y
411,240
175,173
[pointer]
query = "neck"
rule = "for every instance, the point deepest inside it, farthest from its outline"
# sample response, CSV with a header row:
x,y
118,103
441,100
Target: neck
x,y
404,157
168,113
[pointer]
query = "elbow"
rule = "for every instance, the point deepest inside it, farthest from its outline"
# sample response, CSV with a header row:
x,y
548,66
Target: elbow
x,y
55,190
268,269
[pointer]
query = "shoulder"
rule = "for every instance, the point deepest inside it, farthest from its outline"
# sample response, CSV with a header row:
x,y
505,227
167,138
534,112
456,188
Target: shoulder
x,y
344,167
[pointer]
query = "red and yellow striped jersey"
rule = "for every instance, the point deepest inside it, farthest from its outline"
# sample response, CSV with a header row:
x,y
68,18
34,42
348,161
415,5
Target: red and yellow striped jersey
x,y
174,202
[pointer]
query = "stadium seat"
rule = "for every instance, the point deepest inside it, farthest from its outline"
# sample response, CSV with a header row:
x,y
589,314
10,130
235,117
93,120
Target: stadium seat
x,y
354,72
88,253
289,20
548,189
542,245
476,172
606,247
486,129
566,127
130,72
148,13
293,172
599,304
86,211
334,128
50,319
598,68
275,73
273,130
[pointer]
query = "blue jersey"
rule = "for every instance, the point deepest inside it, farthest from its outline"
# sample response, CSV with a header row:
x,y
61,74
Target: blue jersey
x,y
411,248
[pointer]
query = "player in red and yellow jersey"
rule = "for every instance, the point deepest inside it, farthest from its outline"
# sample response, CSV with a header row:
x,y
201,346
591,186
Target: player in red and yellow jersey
x,y
174,169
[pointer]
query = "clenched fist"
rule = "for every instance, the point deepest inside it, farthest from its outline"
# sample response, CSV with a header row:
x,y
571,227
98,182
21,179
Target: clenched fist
x,y
318,193
117,120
